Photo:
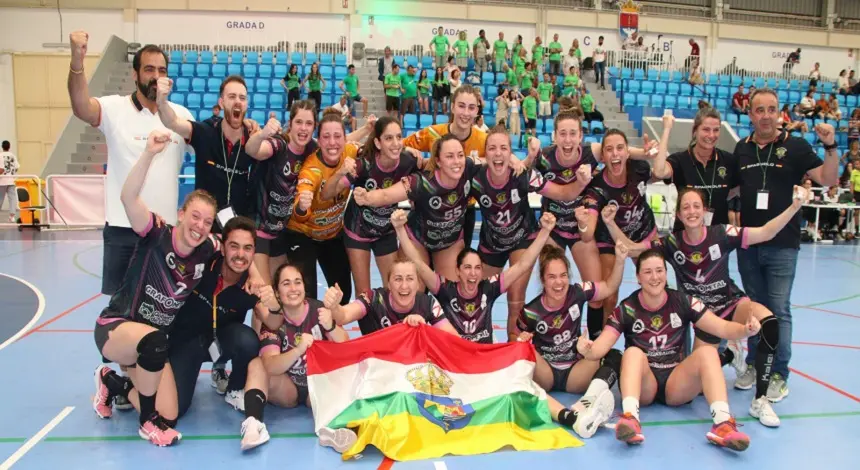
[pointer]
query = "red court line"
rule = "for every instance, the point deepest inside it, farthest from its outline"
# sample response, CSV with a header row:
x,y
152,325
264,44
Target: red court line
x,y
61,315
385,464
825,384
827,345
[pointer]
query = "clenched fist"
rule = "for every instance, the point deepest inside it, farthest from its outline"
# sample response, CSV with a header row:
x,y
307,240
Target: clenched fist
x,y
273,126
583,173
359,195
305,200
398,218
164,86
157,141
78,41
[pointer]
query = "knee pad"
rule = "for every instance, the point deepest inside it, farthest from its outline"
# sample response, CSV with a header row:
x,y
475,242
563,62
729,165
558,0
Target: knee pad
x,y
769,333
613,360
152,351
610,368
594,320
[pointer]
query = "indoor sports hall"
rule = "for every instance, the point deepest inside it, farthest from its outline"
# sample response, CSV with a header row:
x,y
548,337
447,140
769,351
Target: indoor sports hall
x,y
695,53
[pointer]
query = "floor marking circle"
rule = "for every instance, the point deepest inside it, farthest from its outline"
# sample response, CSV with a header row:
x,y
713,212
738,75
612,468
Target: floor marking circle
x,y
38,314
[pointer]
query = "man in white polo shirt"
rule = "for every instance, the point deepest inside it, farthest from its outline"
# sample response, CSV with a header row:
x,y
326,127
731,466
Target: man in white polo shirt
x,y
126,121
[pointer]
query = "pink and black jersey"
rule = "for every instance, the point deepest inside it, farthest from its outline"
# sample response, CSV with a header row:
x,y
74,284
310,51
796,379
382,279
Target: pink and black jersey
x,y
507,217
661,333
288,335
556,330
380,312
278,190
702,268
472,317
439,212
634,216
159,279
549,167
370,223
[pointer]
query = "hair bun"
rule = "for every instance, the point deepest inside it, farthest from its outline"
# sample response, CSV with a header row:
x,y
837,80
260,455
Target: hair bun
x,y
331,111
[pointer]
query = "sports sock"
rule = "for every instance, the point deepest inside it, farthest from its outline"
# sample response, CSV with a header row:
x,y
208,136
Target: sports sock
x,y
631,405
607,374
595,387
720,412
566,417
765,354
255,403
726,357
147,406
116,385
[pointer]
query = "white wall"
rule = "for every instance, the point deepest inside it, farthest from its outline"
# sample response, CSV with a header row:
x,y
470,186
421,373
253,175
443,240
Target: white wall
x,y
215,28
612,40
7,102
25,29
403,33
771,56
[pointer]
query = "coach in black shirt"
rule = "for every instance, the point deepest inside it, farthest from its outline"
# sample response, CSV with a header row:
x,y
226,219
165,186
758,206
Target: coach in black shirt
x,y
702,166
222,167
769,164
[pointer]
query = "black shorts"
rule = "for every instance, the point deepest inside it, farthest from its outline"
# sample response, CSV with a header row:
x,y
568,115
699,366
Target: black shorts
x,y
101,334
729,313
662,376
303,395
531,123
498,259
564,242
119,244
274,247
392,103
856,196
559,378
735,204
384,245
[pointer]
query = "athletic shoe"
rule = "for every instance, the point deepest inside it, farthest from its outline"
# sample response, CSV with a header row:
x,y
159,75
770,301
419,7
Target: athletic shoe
x,y
738,363
591,412
778,388
628,430
341,439
726,434
219,381
236,399
102,399
156,431
254,433
746,380
761,409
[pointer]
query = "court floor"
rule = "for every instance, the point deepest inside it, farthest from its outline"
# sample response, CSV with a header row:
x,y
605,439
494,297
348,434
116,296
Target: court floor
x,y
50,286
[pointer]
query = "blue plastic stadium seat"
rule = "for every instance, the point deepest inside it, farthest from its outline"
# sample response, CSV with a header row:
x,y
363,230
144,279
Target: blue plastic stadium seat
x,y
686,89
629,99
281,58
280,71
759,82
340,60
265,71
219,70
648,87
736,80
677,76
771,83
203,70
441,119
210,100
725,80
425,120
427,62
249,83
259,116
234,69
172,70
626,73
259,100
412,60
643,100
744,120
724,92
673,88
296,58
852,100
183,84
222,57
191,57
176,56
267,57
653,74
327,72
311,57
713,79
327,100
671,101
206,57
249,70
177,98
252,57
186,70
657,101
597,126
340,73
261,85
193,100
782,95
198,85
276,100
744,132
633,86
711,90
213,85
639,74
237,57
410,121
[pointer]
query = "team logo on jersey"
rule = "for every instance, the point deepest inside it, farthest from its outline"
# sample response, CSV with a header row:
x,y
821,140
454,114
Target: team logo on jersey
x,y
485,200
542,327
435,202
170,260
674,320
515,196
549,176
557,321
470,309
780,152
680,258
721,172
432,390
656,322
452,198
501,198
715,252
696,257
292,170
638,326
573,312
198,271
454,305
567,173
387,182
370,184
626,198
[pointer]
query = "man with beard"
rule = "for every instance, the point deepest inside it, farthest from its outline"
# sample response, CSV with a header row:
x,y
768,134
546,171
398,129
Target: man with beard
x,y
222,167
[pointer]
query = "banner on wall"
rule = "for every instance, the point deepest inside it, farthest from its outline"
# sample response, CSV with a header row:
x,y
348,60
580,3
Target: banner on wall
x,y
628,19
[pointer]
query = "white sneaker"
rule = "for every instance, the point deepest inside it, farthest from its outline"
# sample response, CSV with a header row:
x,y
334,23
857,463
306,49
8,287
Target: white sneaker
x,y
763,411
254,433
746,380
592,412
738,363
236,399
341,439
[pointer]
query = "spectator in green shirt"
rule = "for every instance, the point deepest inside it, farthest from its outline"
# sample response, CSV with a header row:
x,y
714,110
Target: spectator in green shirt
x,y
315,84
537,56
555,51
571,82
586,102
545,95
425,86
511,78
500,51
441,46
481,49
518,44
519,62
530,107
410,90
462,48
349,86
393,89
290,82
527,78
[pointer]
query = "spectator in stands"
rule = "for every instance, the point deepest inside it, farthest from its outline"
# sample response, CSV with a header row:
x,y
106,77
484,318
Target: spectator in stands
x,y
842,86
500,53
481,51
589,110
630,42
845,177
854,187
807,105
451,66
530,108
793,58
425,87
519,62
517,47
514,99
768,269
695,77
572,83
538,56
574,56
789,124
480,124
511,79
544,89
822,107
345,112
8,168
694,54
410,91
599,57
852,155
461,50
216,111
527,78
740,101
835,112
815,75
854,126
441,92
454,81
502,107
385,64
350,87
555,51
315,84
440,46
557,89
126,122
393,91
291,84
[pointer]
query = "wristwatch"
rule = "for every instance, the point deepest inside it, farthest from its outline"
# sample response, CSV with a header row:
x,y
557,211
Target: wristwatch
x,y
333,326
833,146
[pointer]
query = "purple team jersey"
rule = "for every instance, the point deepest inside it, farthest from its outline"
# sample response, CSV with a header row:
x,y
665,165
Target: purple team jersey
x,y
634,216
549,167
556,330
288,335
472,317
278,189
380,312
507,217
367,223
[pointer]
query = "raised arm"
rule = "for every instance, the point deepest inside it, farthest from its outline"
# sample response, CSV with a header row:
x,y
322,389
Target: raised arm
x,y
166,113
570,191
755,235
606,288
608,215
362,132
827,174
586,222
339,181
268,309
380,197
135,208
710,323
278,363
524,265
331,329
427,275
660,168
84,107
258,146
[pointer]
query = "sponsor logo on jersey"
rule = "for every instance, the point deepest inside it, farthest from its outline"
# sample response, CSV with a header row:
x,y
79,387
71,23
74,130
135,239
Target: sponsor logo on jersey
x,y
696,257
198,271
721,172
549,176
674,320
435,202
370,184
515,195
170,259
715,252
452,198
501,198
638,326
454,305
542,327
656,322
680,258
485,200
385,322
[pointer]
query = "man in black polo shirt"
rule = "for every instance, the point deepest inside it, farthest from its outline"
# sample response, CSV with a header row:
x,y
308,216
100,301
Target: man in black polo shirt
x,y
769,163
222,287
702,166
222,167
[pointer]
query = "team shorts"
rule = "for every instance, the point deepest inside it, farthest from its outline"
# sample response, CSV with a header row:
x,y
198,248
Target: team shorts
x,y
560,376
564,242
273,247
726,314
384,245
392,103
498,259
662,376
531,123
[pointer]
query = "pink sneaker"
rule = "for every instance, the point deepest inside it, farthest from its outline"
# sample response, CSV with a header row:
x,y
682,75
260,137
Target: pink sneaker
x,y
628,430
156,431
726,434
102,401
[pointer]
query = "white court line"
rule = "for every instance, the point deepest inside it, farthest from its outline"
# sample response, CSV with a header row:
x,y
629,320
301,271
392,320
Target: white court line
x,y
33,320
36,438
436,465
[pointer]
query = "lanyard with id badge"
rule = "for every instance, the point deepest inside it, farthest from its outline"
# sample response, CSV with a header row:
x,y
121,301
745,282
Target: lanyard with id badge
x,y
762,196
709,214
215,347
227,213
